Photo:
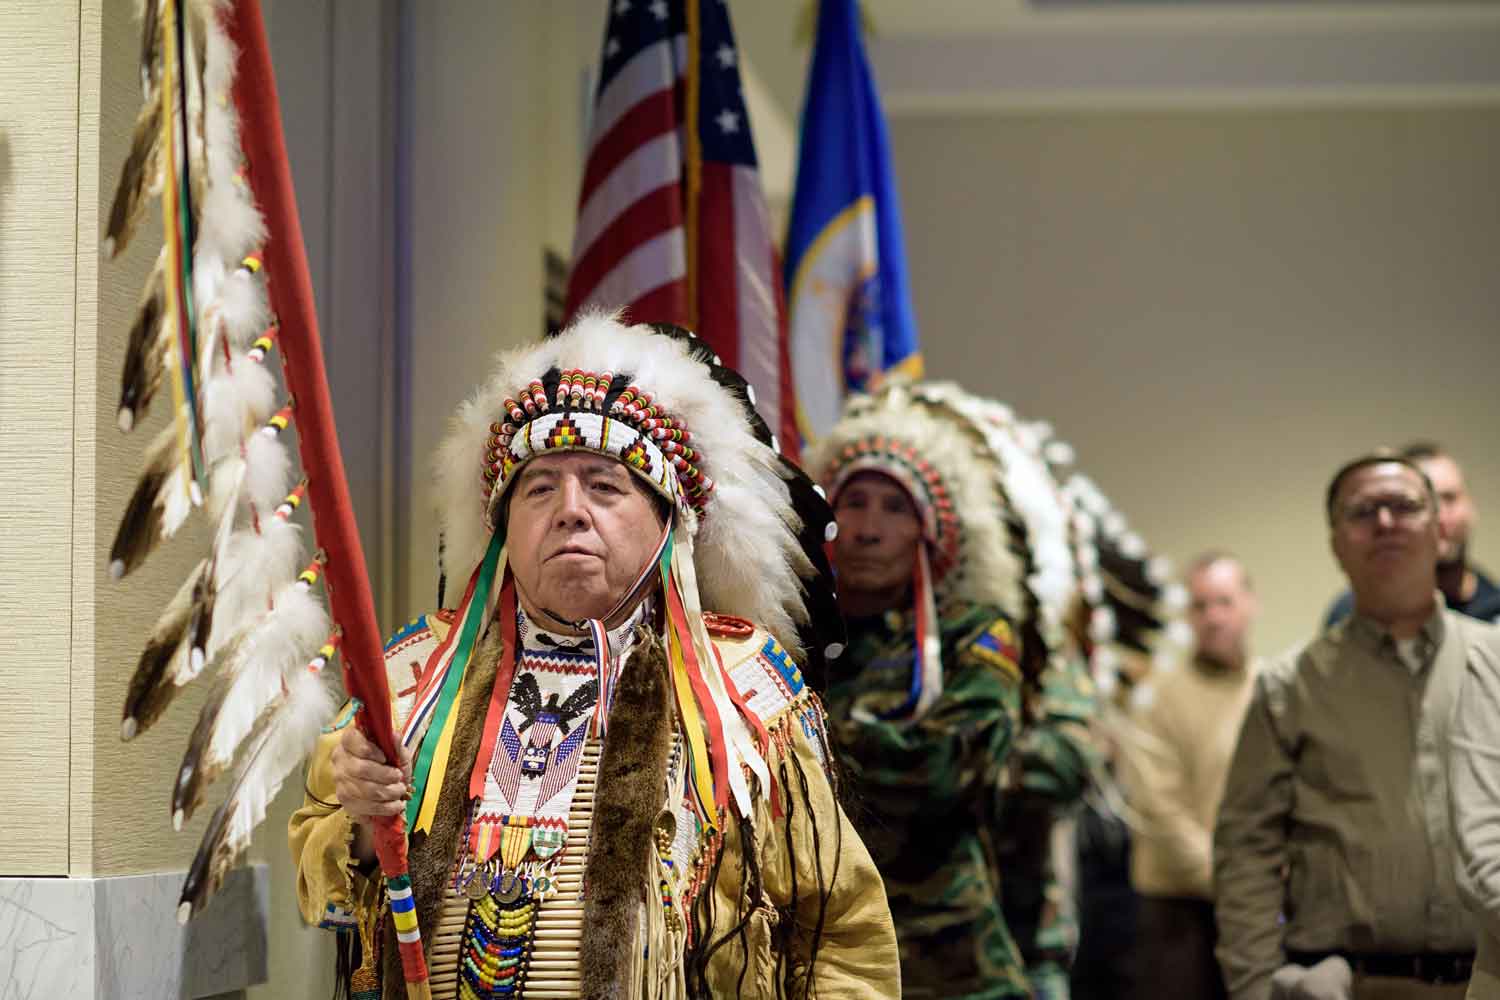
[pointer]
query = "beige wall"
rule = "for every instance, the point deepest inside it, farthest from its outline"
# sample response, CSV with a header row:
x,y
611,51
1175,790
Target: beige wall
x,y
76,801
38,285
478,96
1218,308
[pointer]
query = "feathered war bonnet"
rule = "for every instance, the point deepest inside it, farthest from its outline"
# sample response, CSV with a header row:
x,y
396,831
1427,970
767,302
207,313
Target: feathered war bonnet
x,y
1036,513
1130,607
952,481
745,534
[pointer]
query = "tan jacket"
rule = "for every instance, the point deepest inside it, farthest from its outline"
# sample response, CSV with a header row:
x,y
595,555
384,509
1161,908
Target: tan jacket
x,y
1334,833
802,841
1474,774
1174,762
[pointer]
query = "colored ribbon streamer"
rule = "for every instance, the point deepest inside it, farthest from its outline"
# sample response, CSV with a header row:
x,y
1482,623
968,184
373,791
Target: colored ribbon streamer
x,y
713,786
927,655
500,693
177,223
435,672
700,776
740,749
929,644
700,768
432,791
604,676
443,714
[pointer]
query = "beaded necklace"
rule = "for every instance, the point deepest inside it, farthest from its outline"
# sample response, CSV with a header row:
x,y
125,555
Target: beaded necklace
x,y
518,831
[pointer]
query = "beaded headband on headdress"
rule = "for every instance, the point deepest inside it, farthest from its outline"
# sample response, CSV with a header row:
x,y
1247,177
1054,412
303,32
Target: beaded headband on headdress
x,y
901,461
598,412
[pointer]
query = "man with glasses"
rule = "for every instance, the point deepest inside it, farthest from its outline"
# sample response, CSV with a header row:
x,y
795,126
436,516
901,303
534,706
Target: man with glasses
x,y
1334,874
1466,589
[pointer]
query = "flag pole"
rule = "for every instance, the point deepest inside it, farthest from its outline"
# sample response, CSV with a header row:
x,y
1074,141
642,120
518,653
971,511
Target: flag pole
x,y
694,165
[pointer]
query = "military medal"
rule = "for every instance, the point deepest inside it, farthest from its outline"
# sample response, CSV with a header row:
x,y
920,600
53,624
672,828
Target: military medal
x,y
509,888
478,885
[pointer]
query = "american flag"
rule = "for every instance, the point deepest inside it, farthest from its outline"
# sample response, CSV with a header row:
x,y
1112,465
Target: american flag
x,y
672,221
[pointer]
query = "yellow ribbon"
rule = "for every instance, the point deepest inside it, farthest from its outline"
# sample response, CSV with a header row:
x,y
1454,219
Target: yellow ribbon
x,y
439,764
692,727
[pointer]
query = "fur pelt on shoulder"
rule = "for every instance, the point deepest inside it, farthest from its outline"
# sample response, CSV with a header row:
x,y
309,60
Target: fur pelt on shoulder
x,y
632,780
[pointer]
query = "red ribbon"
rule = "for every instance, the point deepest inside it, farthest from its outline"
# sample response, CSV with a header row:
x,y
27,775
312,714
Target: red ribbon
x,y
717,751
500,694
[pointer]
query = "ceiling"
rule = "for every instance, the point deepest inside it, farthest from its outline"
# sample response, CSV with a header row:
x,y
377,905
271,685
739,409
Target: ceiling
x,y
966,55
1003,56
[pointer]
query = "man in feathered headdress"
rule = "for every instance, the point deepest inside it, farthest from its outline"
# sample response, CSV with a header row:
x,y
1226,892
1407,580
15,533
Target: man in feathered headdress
x,y
611,790
927,704
1054,756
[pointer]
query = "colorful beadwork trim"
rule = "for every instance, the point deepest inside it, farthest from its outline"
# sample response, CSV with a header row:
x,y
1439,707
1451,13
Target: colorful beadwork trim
x,y
496,948
336,918
778,657
411,628
592,432
634,430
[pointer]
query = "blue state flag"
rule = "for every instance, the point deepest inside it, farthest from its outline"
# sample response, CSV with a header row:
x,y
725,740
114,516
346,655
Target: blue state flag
x,y
848,305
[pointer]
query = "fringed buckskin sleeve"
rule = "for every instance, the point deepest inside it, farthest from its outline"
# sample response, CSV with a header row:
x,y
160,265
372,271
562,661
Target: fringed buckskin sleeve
x,y
804,913
331,892
329,888
843,933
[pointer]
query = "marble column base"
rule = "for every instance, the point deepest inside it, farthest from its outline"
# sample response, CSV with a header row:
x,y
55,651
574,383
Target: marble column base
x,y
118,938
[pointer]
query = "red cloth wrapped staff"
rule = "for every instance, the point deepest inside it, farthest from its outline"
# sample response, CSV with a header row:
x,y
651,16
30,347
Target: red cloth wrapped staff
x,y
349,596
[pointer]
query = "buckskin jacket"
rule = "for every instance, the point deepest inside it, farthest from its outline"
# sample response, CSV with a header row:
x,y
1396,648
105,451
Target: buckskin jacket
x,y
786,902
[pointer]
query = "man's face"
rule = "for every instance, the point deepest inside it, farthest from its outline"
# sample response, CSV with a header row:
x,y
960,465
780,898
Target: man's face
x,y
1385,532
580,529
879,532
1221,611
1456,512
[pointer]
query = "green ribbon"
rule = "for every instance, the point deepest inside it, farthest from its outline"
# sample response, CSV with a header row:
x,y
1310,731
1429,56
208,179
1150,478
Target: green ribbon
x,y
467,636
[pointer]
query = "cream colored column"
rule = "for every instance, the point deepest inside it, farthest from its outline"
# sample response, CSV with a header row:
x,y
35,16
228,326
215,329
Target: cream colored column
x,y
39,282
76,801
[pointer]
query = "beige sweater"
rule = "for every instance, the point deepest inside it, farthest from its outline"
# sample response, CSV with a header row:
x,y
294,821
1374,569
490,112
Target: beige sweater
x,y
1176,756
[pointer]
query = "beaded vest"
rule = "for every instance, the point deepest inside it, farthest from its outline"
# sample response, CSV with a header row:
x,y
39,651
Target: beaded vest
x,y
512,914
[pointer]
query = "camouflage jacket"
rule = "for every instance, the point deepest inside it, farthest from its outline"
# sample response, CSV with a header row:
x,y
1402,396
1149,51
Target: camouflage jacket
x,y
922,794
1050,770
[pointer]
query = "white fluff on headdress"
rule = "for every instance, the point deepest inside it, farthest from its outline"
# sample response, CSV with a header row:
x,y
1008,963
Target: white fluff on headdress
x,y
1029,488
748,558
